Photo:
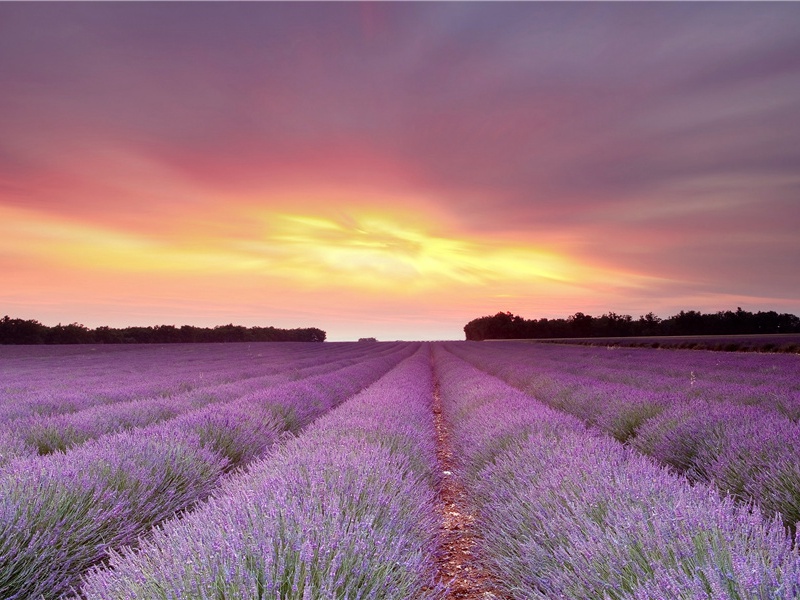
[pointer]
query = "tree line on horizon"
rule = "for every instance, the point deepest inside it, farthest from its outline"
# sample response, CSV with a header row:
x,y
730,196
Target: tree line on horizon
x,y
20,331
505,325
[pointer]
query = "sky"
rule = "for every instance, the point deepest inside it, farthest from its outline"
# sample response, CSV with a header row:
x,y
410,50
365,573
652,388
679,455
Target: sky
x,y
395,170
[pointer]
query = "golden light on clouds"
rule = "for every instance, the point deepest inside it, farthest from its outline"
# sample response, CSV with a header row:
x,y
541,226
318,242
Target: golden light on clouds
x,y
341,261
375,251
75,244
360,251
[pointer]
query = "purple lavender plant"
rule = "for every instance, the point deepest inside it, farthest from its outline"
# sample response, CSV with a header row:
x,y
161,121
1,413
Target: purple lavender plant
x,y
58,382
713,428
564,512
343,511
63,430
62,513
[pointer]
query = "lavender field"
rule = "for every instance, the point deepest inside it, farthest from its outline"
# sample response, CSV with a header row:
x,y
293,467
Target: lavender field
x,y
290,470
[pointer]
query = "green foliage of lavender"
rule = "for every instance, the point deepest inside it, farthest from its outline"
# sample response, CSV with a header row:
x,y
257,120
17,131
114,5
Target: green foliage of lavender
x,y
46,380
12,446
723,420
594,519
746,451
49,426
344,511
566,513
64,512
61,513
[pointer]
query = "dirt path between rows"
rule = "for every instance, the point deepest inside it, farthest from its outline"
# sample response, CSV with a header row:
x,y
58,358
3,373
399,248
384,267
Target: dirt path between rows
x,y
458,569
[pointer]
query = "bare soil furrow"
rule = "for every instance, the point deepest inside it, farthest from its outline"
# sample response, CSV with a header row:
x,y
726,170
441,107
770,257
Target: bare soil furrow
x,y
459,570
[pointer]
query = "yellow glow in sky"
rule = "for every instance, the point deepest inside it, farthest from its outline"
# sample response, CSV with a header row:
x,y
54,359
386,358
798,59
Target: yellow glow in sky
x,y
377,252
250,262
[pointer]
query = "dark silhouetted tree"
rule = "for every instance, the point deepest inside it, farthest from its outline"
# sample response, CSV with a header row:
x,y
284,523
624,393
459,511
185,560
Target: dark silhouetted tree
x,y
18,331
692,322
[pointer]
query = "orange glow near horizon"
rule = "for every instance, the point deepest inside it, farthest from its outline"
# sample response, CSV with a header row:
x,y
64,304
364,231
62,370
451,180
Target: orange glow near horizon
x,y
355,258
362,250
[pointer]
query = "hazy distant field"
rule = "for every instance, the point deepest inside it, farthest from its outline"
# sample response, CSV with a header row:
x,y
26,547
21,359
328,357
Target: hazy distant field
x,y
728,343
289,470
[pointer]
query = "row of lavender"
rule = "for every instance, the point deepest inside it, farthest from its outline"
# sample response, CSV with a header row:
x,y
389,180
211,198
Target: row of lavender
x,y
234,372
344,511
747,448
768,380
565,512
62,513
59,381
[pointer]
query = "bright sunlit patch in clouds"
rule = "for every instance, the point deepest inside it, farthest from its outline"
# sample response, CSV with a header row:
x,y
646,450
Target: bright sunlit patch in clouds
x,y
383,252
357,250
333,265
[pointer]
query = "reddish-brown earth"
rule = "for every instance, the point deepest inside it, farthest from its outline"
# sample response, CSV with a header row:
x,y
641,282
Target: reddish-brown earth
x,y
458,568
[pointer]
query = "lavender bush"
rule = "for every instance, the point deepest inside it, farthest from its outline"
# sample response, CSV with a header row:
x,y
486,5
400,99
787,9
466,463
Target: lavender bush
x,y
745,446
59,382
344,511
12,446
61,431
61,513
766,380
64,512
746,451
567,513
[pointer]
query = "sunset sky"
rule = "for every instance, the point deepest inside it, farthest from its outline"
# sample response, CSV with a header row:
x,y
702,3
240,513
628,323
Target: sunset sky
x,y
396,170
